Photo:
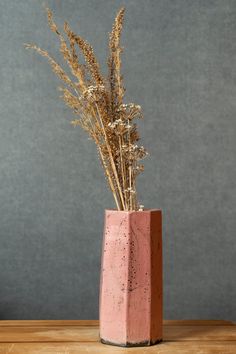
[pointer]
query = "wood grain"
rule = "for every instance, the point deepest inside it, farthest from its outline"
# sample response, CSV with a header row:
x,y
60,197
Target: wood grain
x,y
188,336
96,322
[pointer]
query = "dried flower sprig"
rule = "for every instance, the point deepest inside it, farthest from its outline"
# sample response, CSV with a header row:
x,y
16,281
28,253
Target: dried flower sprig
x,y
98,105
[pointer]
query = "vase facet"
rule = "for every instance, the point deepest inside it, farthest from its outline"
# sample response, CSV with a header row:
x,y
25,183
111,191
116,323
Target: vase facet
x,y
130,309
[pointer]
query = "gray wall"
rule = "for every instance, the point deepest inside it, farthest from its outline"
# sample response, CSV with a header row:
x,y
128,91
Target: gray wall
x,y
180,65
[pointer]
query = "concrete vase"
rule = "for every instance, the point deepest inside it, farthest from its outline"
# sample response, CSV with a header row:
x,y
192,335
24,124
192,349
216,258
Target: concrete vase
x,y
130,308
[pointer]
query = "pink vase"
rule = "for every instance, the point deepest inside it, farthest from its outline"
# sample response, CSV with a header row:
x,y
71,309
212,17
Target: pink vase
x,y
130,308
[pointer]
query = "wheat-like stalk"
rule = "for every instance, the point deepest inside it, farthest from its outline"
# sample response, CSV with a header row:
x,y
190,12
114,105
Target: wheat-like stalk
x,y
98,105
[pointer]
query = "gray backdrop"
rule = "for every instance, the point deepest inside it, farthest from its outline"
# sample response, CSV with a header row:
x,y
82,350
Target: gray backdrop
x,y
180,65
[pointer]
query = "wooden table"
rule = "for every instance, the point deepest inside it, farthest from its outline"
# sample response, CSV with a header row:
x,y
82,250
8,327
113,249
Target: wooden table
x,y
65,337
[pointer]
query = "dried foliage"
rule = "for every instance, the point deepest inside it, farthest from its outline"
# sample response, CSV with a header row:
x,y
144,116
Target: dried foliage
x,y
98,105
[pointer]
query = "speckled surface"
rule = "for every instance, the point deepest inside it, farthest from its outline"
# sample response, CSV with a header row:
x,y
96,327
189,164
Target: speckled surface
x,y
131,278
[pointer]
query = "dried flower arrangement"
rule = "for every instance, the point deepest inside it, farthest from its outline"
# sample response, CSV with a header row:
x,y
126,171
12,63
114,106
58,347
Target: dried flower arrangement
x,y
98,104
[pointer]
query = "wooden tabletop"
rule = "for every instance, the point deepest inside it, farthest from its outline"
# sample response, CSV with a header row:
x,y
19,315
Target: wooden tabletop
x,y
66,337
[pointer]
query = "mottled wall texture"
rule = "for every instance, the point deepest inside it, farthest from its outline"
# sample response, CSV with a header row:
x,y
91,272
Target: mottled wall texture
x,y
180,66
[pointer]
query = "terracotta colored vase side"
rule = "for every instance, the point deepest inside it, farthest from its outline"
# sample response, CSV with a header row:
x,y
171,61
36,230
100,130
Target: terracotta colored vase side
x,y
130,308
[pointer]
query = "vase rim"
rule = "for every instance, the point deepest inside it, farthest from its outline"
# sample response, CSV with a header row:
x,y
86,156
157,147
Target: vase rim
x,y
132,211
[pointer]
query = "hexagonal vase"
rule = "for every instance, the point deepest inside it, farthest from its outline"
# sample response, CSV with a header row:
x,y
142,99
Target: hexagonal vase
x,y
130,308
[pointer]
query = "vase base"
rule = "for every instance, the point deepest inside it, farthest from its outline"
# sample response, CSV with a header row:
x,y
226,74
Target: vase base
x,y
146,343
